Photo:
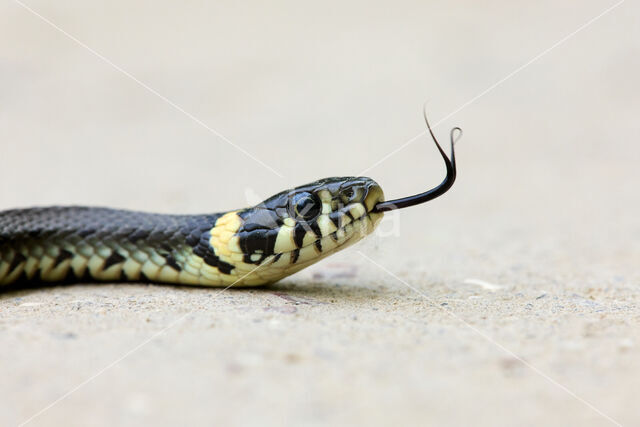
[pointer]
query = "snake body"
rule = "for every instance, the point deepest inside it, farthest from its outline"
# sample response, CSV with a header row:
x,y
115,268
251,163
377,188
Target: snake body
x,y
246,247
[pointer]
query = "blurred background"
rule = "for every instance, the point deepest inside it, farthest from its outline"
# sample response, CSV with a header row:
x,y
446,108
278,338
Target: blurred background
x,y
198,106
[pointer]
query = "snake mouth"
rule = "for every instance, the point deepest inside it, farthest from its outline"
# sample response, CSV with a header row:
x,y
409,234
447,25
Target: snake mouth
x,y
374,196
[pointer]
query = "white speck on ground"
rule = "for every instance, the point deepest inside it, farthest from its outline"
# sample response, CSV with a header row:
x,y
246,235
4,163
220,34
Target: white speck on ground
x,y
485,285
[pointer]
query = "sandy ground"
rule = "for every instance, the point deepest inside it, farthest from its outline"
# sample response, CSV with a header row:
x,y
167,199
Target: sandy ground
x,y
513,300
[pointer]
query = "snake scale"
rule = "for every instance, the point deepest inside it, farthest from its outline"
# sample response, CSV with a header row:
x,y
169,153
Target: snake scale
x,y
246,247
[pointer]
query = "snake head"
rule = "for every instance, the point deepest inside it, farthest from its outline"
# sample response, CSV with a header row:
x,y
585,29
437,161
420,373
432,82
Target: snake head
x,y
298,227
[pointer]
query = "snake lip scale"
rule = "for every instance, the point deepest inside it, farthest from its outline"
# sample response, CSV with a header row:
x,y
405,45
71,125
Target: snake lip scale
x,y
245,247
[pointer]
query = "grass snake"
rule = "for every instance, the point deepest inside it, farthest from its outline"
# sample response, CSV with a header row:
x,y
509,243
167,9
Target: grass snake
x,y
245,247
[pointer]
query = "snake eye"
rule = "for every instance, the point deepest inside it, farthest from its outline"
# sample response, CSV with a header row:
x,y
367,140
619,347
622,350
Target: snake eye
x,y
305,206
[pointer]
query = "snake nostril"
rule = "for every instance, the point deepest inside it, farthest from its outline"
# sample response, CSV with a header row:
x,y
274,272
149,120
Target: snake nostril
x,y
353,194
348,193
